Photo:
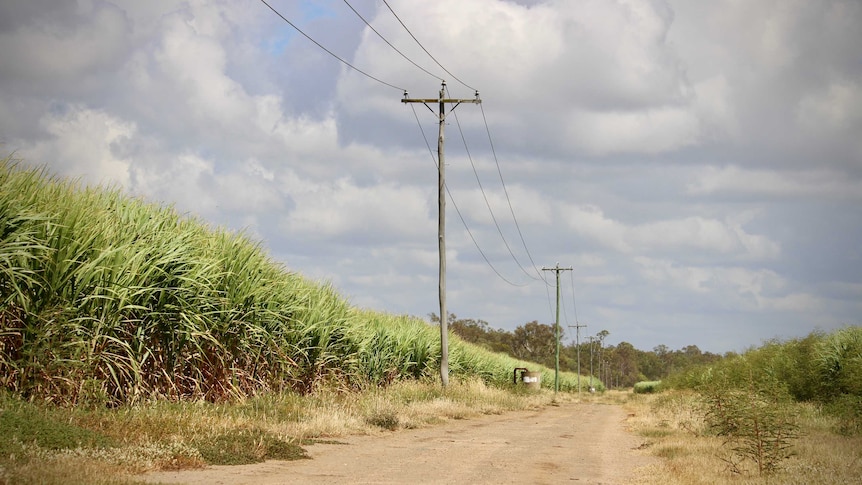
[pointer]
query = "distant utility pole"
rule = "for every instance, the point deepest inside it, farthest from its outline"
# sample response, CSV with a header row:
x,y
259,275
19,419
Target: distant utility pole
x,y
591,363
442,100
557,270
577,326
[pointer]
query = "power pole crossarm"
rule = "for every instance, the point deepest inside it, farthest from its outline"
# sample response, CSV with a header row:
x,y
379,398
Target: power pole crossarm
x,y
557,270
442,101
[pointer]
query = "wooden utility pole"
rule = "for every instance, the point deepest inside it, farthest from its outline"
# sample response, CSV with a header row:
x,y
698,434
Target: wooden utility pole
x,y
591,363
577,326
557,270
442,100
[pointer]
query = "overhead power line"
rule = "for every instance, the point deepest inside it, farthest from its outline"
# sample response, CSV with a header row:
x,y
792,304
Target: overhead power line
x,y
493,150
508,199
574,302
458,211
485,197
318,44
424,49
540,275
390,43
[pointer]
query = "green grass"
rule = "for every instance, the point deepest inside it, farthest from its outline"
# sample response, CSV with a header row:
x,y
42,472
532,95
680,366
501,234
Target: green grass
x,y
24,424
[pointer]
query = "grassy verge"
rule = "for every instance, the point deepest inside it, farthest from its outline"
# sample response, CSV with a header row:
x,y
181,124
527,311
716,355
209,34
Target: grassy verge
x,y
50,444
676,431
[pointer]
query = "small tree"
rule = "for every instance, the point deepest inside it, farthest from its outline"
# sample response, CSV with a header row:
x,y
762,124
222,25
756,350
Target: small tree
x,y
757,423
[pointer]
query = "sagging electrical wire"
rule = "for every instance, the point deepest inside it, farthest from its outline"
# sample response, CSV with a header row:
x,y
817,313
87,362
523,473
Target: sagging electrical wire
x,y
424,49
485,197
508,199
455,205
318,44
390,44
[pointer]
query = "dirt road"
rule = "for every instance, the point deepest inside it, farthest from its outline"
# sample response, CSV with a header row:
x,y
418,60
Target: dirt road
x,y
570,443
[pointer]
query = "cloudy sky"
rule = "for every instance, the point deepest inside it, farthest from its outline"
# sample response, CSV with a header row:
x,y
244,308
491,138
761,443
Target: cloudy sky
x,y
698,164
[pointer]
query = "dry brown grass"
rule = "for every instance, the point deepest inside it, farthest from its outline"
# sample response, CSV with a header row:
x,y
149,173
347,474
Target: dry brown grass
x,y
165,435
675,432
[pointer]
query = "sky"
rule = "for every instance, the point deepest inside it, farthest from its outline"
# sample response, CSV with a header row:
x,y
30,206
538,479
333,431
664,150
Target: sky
x,y
698,165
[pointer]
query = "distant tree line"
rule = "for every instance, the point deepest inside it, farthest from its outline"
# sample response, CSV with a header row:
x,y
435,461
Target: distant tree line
x,y
620,365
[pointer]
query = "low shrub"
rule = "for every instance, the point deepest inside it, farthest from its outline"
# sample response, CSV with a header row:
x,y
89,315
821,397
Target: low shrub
x,y
647,387
23,423
758,424
244,446
384,419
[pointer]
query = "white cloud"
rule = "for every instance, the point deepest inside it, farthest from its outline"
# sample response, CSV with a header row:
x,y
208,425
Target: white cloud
x,y
798,302
183,180
597,76
665,272
645,131
249,189
193,61
590,221
195,184
53,48
695,234
715,110
473,204
305,138
814,183
81,141
737,288
837,106
342,209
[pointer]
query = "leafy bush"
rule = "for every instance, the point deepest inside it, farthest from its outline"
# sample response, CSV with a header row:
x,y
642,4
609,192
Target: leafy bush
x,y
647,387
840,361
847,409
